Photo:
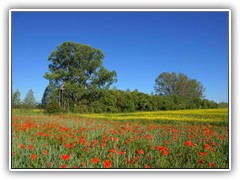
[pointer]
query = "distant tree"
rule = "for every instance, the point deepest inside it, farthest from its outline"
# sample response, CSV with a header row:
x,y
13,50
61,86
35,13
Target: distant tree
x,y
170,84
16,100
208,104
80,68
223,105
29,101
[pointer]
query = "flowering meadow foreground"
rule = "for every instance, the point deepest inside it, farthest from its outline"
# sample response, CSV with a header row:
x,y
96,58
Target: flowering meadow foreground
x,y
199,139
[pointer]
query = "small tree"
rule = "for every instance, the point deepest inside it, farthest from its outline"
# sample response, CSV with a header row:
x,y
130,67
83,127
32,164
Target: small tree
x,y
29,101
16,101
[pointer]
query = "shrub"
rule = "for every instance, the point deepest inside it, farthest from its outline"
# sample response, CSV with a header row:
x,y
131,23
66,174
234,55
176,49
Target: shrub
x,y
52,108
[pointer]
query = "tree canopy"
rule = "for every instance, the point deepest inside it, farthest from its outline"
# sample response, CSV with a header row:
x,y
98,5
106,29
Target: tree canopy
x,y
16,100
80,68
30,101
170,84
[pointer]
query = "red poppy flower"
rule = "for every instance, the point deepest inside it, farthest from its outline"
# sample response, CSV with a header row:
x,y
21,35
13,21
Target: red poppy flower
x,y
31,139
188,143
107,163
149,137
121,152
65,157
202,154
84,164
95,160
147,166
112,150
165,153
63,166
102,145
22,146
140,151
207,146
211,164
34,156
128,141
45,152
31,147
200,161
68,145
130,161
49,164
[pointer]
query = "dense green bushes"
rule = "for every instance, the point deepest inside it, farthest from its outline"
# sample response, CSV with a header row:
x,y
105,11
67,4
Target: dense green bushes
x,y
114,101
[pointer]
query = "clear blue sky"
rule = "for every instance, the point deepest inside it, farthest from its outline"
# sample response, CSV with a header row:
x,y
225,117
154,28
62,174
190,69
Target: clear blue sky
x,y
137,45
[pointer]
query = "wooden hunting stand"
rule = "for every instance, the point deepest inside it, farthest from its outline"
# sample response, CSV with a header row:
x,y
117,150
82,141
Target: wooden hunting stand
x,y
61,102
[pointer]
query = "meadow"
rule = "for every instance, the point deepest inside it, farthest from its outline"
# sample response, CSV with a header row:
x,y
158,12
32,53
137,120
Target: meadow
x,y
162,139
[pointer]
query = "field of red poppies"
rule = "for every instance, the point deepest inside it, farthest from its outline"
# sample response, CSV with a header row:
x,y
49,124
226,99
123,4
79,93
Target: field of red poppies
x,y
65,141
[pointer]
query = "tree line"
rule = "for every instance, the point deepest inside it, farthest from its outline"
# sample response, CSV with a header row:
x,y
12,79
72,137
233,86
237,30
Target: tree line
x,y
115,100
29,102
78,82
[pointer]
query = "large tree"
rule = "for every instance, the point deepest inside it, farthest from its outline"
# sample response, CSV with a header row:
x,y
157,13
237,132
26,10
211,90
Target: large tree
x,y
173,84
46,95
80,68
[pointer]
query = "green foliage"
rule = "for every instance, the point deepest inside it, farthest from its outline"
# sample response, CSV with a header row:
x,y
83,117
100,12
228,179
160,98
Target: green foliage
x,y
170,84
52,108
46,95
80,68
116,101
223,105
29,101
16,100
206,104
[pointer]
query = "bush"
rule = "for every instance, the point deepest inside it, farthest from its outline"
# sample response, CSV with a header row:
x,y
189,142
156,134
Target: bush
x,y
52,108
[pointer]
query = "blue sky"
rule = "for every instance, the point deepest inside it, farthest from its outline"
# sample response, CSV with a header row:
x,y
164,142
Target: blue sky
x,y
137,45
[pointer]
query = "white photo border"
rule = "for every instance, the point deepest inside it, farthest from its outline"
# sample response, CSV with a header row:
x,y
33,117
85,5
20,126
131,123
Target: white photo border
x,y
120,10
